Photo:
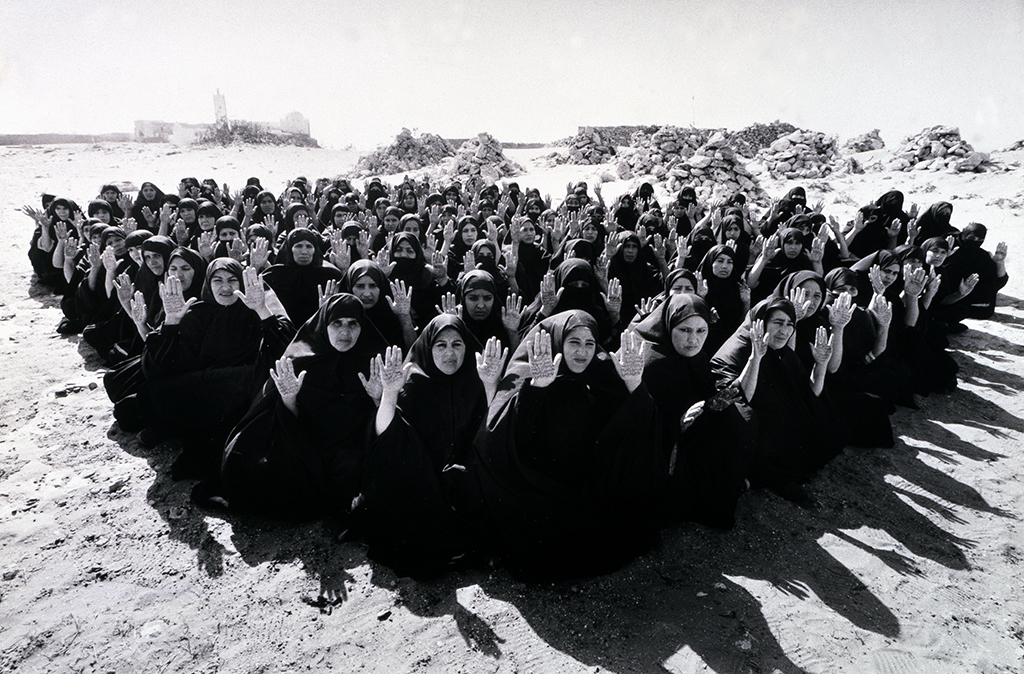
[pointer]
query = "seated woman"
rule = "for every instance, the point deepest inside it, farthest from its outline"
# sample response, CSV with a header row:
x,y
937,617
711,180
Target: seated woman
x,y
573,285
570,463
783,254
409,269
798,428
483,313
388,311
638,279
300,272
722,270
418,510
205,364
972,278
707,440
299,451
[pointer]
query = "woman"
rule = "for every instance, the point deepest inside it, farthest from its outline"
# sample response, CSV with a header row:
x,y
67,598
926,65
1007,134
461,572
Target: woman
x,y
146,209
467,231
706,439
798,428
783,254
722,270
483,313
638,280
299,451
299,274
388,314
410,270
418,509
531,260
570,465
935,221
205,364
574,285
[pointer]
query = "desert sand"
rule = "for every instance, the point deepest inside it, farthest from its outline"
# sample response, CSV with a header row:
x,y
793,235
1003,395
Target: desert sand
x,y
913,561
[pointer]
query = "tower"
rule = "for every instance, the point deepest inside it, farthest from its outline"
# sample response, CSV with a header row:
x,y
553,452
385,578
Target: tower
x,y
220,107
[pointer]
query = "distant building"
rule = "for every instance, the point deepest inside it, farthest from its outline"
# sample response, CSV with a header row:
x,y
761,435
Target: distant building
x,y
294,122
220,108
150,131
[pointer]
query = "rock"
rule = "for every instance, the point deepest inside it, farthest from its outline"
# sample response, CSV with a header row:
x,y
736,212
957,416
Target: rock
x,y
699,161
780,145
971,162
866,142
408,152
938,148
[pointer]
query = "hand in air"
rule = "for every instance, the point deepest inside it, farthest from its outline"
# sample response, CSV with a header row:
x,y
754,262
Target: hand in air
x,y
629,359
491,361
543,368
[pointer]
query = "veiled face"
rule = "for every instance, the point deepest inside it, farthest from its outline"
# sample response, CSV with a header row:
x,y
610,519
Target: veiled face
x,y
303,253
688,337
154,261
578,349
478,304
343,333
722,266
404,250
448,351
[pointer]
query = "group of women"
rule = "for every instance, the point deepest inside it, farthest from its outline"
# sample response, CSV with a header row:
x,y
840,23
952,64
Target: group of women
x,y
470,372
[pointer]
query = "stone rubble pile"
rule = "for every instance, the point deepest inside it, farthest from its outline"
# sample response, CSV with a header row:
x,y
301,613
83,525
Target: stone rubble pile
x,y
481,156
407,153
587,147
1019,145
865,142
754,138
800,155
657,153
936,149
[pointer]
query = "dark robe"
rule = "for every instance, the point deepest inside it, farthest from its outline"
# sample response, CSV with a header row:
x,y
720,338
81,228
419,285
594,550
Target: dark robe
x,y
492,326
708,461
723,296
570,473
380,314
297,285
311,464
638,279
416,274
418,496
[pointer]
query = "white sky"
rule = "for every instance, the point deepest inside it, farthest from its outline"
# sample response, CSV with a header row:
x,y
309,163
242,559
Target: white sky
x,y
522,70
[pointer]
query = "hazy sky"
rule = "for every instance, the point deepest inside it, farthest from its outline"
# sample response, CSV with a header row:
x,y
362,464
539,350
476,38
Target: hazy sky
x,y
522,70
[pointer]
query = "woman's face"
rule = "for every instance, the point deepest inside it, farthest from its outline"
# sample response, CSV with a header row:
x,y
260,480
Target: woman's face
x,y
267,205
110,196
404,250
578,349
812,292
630,251
469,233
527,234
732,232
448,351
533,211
135,253
154,261
779,328
549,221
390,223
343,333
682,285
366,291
689,336
478,304
589,232
792,248
572,203
116,243
890,274
223,285
207,222
379,210
412,227
61,212
148,192
188,215
181,270
722,266
302,253
409,201
935,256
227,234
103,216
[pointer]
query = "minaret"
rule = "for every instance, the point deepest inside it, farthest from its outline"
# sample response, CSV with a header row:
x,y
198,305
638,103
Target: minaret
x,y
220,107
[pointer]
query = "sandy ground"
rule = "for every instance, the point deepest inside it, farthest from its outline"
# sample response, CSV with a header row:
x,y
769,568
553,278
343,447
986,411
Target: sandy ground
x,y
913,562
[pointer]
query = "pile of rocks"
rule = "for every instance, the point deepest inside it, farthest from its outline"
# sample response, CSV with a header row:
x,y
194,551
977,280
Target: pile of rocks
x,y
1019,145
656,153
587,147
800,155
754,138
936,149
481,156
865,142
407,153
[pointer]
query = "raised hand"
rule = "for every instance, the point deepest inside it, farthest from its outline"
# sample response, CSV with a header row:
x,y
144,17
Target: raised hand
x,y
207,245
841,311
702,285
149,215
912,230
259,253
512,312
511,262
490,362
913,281
798,296
448,305
878,285
128,225
932,284
543,368
549,293
601,270
724,398
968,284
613,298
254,296
249,207
402,302
173,300
629,359
881,309
181,232
758,340
392,373
772,246
744,293
236,250
125,291
363,244
817,248
138,311
327,291
1000,254
108,260
95,257
372,384
60,229
695,410
646,307
126,203
821,350
468,261
288,385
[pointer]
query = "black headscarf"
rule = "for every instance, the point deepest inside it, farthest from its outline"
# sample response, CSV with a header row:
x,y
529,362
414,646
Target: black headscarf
x,y
478,279
141,203
380,314
935,222
297,286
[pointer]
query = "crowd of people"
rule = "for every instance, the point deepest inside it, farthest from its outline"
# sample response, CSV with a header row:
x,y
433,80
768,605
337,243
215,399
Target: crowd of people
x,y
473,372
